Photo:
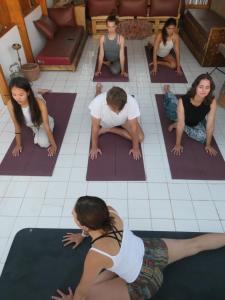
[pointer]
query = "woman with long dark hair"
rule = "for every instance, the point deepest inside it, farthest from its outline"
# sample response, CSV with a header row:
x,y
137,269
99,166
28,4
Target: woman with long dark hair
x,y
111,49
194,113
119,265
164,42
26,109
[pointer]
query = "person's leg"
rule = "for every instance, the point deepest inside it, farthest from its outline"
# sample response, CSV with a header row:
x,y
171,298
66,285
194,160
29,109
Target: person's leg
x,y
41,137
115,67
178,249
114,289
170,105
168,61
197,133
127,127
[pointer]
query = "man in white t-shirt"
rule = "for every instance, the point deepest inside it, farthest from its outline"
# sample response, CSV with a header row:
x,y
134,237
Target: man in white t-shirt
x,y
112,109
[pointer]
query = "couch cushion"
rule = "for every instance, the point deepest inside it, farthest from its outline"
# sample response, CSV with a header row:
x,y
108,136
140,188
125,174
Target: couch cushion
x,y
46,26
132,8
61,50
63,16
164,8
206,19
102,8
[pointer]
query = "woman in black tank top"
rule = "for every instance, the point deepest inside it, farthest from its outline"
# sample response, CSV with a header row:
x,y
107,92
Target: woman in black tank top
x,y
194,113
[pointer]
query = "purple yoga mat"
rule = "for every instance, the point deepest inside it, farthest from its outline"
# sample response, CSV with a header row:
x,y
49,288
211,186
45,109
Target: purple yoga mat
x,y
34,160
107,76
164,74
115,163
194,162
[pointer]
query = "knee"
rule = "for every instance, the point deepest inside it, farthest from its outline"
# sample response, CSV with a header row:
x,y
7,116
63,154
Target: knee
x,y
173,65
44,143
115,71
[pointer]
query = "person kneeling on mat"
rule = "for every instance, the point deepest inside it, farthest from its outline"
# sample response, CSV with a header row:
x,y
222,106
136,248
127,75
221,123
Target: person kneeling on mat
x,y
119,265
111,48
112,109
190,111
163,43
25,108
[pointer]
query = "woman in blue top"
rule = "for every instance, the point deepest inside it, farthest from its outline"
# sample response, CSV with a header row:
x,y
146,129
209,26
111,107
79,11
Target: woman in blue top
x,y
120,265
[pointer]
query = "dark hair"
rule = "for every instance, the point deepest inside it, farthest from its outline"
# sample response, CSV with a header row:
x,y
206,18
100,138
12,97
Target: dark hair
x,y
170,21
93,213
192,91
116,97
112,18
23,83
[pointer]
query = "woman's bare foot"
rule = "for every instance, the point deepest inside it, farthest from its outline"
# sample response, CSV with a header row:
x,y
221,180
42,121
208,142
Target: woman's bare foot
x,y
166,88
103,130
98,88
172,126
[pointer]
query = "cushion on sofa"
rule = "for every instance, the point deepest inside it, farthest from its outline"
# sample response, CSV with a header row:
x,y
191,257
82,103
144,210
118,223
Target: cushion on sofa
x,y
46,26
102,8
61,50
63,16
132,8
164,8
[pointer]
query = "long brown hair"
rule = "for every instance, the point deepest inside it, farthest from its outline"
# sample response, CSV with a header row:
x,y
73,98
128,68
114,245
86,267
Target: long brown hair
x,y
192,91
170,21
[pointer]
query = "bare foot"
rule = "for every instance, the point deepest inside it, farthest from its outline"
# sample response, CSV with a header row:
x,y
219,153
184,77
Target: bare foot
x,y
103,130
98,88
172,126
107,62
166,88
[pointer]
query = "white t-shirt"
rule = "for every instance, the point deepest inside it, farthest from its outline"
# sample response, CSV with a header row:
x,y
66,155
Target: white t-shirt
x,y
99,109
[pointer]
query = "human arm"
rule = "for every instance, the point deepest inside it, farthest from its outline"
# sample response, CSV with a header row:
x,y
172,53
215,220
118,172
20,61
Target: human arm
x,y
210,128
94,138
100,56
134,132
157,41
178,148
74,238
177,52
44,114
18,130
122,56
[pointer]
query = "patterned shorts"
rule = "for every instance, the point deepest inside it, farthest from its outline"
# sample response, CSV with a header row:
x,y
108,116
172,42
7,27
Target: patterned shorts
x,y
151,277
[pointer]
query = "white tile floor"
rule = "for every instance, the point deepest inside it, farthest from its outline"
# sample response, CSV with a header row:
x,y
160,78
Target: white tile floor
x,y
160,203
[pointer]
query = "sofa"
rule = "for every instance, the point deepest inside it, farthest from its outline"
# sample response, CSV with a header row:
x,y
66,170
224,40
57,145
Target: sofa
x,y
64,39
203,31
155,11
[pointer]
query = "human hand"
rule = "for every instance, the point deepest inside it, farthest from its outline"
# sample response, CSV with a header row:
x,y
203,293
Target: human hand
x,y
94,153
52,150
17,150
97,73
154,70
64,296
179,71
124,74
73,238
210,150
136,153
177,150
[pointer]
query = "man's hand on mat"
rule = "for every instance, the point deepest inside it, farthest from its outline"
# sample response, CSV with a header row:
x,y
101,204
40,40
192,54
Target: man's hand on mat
x,y
97,73
124,74
136,153
154,70
94,153
179,71
177,150
72,238
52,150
17,150
210,150
64,296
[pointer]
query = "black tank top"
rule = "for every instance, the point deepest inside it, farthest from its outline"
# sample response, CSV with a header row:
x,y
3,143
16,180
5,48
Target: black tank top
x,y
194,114
115,234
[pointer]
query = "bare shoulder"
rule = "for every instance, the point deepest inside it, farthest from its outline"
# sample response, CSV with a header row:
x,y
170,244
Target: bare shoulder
x,y
41,102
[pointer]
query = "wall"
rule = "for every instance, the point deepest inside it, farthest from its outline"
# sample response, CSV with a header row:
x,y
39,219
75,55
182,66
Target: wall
x,y
37,40
8,56
219,7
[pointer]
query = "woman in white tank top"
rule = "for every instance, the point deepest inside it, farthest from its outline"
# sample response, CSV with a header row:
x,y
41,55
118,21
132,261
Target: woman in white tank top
x,y
26,109
120,265
163,43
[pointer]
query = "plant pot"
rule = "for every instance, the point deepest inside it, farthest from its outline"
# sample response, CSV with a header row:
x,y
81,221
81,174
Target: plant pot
x,y
31,71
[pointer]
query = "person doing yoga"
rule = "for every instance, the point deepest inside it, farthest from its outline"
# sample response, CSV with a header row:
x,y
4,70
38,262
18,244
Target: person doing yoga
x,y
111,49
119,265
189,113
164,42
27,109
110,110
